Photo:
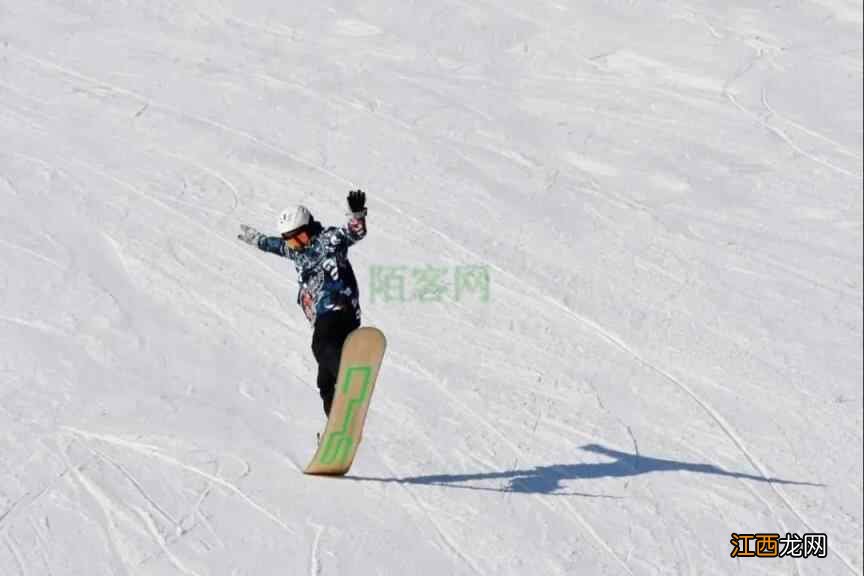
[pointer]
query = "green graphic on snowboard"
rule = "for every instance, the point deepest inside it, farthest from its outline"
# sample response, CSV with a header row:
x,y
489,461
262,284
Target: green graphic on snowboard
x,y
338,445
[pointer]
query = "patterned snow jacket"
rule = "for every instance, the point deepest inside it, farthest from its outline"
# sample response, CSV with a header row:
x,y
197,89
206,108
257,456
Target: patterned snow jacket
x,y
324,274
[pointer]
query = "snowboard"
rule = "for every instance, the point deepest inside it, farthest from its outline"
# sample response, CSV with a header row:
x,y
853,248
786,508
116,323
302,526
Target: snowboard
x,y
359,364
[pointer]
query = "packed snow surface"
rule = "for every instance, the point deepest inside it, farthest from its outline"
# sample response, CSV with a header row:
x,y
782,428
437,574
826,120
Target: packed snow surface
x,y
665,199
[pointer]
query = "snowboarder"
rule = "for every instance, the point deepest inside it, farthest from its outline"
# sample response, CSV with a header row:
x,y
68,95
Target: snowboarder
x,y
328,291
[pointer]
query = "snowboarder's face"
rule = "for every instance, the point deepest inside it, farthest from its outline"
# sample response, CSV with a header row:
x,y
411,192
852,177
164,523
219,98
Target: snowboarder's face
x,y
297,241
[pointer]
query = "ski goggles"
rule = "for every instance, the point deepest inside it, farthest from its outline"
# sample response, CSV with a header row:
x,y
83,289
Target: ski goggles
x,y
296,240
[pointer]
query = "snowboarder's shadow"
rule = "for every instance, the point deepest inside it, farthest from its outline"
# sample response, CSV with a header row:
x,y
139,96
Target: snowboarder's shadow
x,y
550,479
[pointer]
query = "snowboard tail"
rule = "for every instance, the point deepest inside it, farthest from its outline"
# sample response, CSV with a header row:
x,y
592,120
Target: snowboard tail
x,y
359,364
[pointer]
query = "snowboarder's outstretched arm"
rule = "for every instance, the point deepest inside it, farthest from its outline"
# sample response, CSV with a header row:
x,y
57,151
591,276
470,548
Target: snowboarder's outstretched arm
x,y
355,229
272,244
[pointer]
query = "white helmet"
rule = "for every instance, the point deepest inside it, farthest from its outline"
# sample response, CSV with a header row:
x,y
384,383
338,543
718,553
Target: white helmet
x,y
293,218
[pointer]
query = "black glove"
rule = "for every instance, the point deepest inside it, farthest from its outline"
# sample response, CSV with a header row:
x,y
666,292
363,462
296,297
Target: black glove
x,y
357,201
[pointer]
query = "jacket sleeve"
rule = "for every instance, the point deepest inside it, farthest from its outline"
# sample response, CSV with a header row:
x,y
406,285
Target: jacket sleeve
x,y
355,229
272,244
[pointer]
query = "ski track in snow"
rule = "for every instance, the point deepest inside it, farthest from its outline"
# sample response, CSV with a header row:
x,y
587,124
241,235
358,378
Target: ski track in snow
x,y
711,412
475,416
315,566
785,137
450,542
155,453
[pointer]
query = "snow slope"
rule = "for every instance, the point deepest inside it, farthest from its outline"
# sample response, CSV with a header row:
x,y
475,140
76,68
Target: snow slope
x,y
667,197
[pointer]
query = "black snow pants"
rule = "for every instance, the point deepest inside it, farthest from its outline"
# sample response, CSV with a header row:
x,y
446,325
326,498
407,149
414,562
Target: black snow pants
x,y
331,329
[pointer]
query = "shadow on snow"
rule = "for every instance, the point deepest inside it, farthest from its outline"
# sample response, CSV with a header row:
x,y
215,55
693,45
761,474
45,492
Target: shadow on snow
x,y
550,479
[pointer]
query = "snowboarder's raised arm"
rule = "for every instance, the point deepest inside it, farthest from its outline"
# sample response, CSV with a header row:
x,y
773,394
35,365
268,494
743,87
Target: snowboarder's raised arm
x,y
355,229
272,244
